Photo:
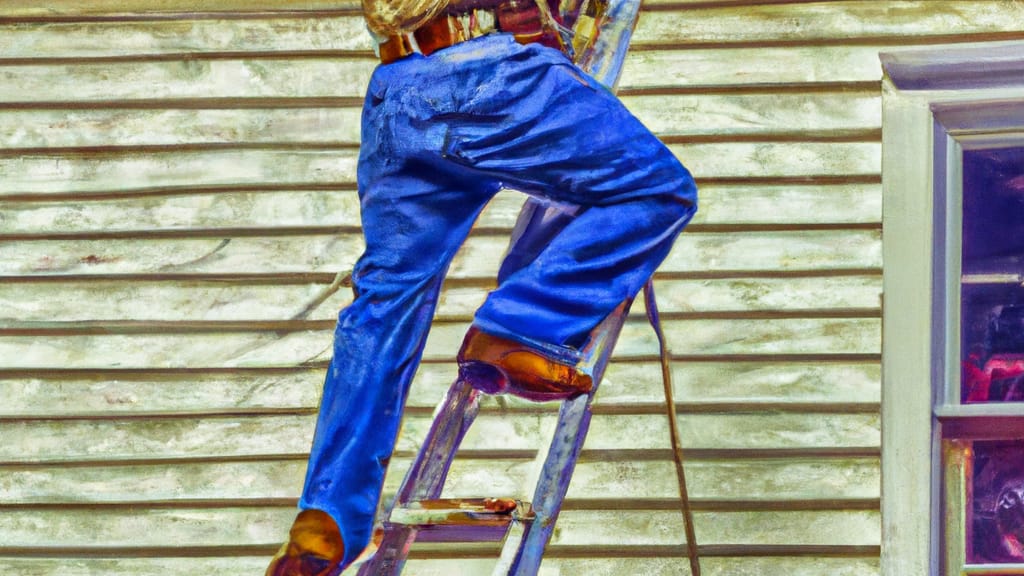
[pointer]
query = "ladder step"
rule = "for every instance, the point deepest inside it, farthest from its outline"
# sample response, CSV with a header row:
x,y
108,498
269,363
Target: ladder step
x,y
462,520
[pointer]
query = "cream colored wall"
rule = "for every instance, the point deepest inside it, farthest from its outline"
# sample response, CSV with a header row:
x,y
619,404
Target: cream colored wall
x,y
177,187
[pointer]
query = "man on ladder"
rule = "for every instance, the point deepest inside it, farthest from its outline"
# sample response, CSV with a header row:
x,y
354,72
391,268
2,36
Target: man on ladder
x,y
470,98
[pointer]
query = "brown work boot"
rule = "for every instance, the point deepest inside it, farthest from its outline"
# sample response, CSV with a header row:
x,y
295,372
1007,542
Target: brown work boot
x,y
497,365
314,547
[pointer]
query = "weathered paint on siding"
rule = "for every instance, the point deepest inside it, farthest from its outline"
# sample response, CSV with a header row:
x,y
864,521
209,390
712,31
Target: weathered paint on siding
x,y
177,186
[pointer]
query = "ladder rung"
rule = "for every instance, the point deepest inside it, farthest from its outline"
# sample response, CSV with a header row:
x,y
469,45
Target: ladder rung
x,y
462,520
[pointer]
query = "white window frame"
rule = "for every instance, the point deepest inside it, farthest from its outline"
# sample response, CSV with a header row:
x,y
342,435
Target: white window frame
x,y
936,101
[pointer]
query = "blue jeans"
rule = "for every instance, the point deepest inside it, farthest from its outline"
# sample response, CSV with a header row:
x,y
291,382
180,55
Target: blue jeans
x,y
441,135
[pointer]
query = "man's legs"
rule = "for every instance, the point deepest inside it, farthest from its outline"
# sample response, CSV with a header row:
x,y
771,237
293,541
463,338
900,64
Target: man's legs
x,y
441,134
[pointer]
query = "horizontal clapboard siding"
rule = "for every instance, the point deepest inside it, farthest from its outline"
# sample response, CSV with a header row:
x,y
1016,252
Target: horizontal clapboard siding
x,y
850,115
177,201
668,21
223,436
145,300
256,525
286,344
706,385
671,563
724,206
721,481
39,175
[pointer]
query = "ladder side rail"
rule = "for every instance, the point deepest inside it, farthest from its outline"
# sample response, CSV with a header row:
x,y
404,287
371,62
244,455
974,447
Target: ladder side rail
x,y
560,463
452,419
573,424
389,560
426,477
540,221
604,59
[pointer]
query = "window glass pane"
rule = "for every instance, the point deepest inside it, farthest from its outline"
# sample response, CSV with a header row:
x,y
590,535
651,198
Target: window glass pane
x,y
992,296
995,503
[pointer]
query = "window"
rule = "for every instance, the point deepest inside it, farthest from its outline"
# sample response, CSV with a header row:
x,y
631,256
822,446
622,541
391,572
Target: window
x,y
953,326
981,408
